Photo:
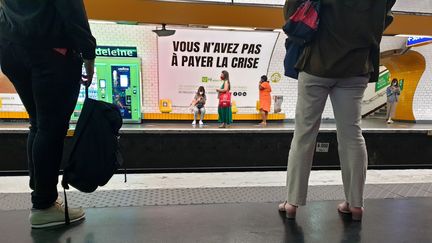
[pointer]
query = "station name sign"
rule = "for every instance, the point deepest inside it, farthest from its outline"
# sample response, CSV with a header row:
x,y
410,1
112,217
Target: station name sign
x,y
116,51
417,40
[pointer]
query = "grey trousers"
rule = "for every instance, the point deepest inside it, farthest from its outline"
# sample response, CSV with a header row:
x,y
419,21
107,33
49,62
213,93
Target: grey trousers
x,y
391,108
202,111
346,95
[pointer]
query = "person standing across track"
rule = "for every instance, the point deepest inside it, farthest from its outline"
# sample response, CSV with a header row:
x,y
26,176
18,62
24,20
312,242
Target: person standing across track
x,y
225,113
264,98
393,92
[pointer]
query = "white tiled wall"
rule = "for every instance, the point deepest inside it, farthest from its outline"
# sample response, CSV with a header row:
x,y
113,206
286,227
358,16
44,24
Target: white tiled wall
x,y
287,87
422,105
145,40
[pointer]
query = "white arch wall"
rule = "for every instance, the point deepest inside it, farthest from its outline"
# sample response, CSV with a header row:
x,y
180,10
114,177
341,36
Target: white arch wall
x,y
110,34
422,104
287,87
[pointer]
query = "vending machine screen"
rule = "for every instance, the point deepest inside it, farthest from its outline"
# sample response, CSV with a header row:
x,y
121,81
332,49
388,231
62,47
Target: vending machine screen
x,y
120,77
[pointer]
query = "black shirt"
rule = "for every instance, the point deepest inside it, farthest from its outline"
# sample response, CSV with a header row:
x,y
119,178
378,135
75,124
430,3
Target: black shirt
x,y
348,39
47,24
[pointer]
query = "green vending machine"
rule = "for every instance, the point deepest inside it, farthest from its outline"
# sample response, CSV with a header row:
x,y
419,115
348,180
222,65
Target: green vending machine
x,y
116,81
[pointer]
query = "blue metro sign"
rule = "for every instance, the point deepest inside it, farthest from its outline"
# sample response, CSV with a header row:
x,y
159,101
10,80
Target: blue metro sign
x,y
417,40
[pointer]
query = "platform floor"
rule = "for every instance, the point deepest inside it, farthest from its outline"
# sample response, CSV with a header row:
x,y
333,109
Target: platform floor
x,y
229,207
368,125
385,220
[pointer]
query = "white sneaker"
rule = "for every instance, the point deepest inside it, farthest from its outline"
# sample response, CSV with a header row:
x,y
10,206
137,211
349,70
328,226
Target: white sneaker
x,y
201,123
60,201
54,216
193,123
390,121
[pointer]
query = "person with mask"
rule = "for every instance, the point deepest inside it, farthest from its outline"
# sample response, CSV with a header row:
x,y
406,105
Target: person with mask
x,y
393,92
339,62
264,98
43,46
225,113
198,104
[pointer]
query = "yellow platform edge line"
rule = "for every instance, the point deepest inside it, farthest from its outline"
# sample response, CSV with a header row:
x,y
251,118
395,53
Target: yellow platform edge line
x,y
164,116
177,116
13,115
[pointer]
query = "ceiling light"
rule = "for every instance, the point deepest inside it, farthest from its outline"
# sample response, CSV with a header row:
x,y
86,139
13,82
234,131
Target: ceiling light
x,y
164,32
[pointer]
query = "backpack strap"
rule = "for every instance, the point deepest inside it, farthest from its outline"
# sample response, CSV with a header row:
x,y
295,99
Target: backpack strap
x,y
66,209
65,184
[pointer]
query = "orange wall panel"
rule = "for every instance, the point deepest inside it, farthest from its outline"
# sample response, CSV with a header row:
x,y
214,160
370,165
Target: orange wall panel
x,y
186,13
409,67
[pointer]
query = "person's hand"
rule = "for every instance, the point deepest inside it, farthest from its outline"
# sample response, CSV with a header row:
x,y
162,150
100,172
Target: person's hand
x,y
87,79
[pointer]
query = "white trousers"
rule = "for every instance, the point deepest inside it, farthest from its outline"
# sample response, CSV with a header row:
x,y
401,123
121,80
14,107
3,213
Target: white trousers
x,y
346,96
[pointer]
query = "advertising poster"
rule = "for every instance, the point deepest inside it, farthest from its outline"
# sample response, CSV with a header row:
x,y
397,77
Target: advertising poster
x,y
9,99
193,58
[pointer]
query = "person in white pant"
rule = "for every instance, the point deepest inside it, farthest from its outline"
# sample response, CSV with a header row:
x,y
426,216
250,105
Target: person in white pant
x,y
339,62
393,92
198,104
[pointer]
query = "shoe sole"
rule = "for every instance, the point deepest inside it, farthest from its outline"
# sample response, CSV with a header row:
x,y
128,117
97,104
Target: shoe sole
x,y
58,223
343,211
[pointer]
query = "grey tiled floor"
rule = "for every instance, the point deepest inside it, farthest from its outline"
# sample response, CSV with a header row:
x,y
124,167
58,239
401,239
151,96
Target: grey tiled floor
x,y
195,196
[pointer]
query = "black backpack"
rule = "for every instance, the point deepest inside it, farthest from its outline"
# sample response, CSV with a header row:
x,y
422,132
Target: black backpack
x,y
95,154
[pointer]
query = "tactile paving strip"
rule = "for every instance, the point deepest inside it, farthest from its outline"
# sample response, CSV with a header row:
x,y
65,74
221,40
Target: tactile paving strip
x,y
191,196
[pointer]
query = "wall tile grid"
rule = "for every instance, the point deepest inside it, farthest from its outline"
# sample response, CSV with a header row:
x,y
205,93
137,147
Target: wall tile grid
x,y
422,105
287,87
146,42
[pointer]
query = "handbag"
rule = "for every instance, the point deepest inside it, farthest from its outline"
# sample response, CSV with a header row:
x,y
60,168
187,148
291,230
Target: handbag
x,y
303,24
293,52
300,29
225,100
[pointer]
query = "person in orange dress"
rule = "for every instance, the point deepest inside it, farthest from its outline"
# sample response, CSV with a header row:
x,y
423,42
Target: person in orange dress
x,y
264,98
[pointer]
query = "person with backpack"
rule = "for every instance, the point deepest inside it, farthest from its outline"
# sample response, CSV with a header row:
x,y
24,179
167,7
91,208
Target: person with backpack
x,y
339,61
43,46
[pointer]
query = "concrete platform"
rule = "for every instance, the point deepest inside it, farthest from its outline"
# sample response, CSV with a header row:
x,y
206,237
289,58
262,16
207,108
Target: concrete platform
x,y
385,220
327,126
